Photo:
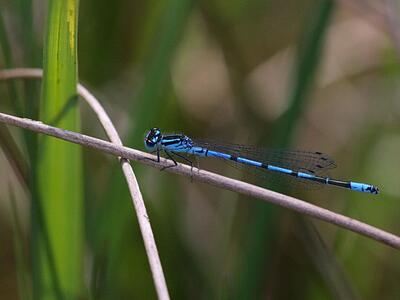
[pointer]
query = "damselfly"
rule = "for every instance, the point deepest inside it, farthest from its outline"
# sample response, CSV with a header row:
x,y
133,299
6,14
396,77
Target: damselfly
x,y
305,166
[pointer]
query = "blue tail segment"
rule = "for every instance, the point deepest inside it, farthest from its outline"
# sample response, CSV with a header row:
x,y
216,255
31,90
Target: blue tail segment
x,y
306,166
363,187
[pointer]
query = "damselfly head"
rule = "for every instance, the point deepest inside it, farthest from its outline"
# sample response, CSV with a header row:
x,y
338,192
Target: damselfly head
x,y
153,137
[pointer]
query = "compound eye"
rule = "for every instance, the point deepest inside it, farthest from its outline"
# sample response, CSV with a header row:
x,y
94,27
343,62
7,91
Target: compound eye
x,y
154,136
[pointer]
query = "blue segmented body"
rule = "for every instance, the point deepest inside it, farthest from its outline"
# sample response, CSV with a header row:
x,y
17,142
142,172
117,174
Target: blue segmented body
x,y
305,166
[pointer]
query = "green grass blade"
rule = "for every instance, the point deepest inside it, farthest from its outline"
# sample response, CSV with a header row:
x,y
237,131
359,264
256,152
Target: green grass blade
x,y
31,58
31,52
58,212
152,97
24,290
7,141
6,51
257,252
308,59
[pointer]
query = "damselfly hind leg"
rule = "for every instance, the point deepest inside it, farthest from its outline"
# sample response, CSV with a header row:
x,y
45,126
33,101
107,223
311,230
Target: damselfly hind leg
x,y
171,158
197,163
185,159
189,161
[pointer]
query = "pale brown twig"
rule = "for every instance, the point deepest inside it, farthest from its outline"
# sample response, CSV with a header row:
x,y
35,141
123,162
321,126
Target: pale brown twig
x,y
210,178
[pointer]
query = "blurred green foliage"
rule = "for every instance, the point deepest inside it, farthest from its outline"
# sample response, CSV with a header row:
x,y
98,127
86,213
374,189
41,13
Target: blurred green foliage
x,y
310,74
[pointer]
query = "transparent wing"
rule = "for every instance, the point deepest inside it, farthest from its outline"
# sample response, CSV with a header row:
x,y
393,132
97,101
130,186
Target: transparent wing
x,y
310,162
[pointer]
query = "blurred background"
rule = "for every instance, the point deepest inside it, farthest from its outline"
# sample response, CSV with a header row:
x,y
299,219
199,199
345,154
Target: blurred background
x,y
310,74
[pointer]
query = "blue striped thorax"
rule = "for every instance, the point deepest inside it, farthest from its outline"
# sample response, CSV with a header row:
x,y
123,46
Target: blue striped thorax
x,y
152,139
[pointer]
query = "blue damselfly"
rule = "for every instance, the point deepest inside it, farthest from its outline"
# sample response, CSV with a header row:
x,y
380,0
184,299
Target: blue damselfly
x,y
307,167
